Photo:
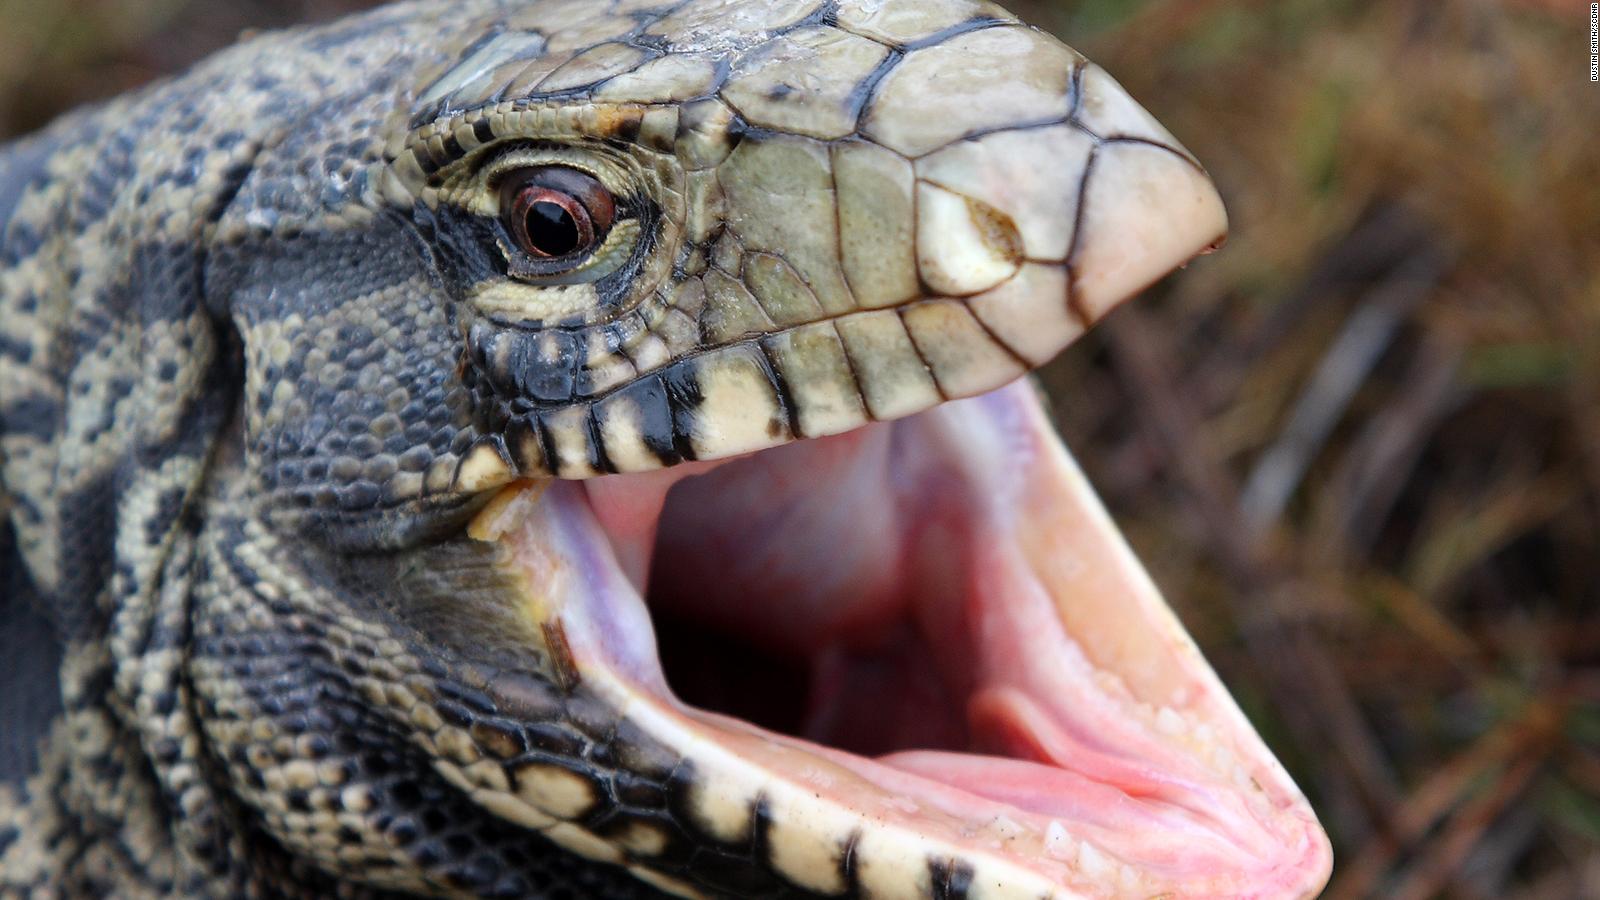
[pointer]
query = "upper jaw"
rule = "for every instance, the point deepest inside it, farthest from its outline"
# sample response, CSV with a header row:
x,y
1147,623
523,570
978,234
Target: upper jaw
x,y
1134,774
833,251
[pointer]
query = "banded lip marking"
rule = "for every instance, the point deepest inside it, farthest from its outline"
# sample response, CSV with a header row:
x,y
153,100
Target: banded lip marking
x,y
999,195
1145,210
993,692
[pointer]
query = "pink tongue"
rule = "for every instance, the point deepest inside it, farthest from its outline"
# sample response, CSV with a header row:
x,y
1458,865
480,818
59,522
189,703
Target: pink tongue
x,y
1049,772
1014,722
1150,834
1128,807
1036,788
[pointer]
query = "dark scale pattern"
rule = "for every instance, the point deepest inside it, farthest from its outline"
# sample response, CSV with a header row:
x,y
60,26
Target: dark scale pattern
x,y
265,348
30,657
299,666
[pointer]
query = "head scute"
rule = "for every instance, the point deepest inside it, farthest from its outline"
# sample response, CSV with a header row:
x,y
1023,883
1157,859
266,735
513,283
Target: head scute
x,y
815,215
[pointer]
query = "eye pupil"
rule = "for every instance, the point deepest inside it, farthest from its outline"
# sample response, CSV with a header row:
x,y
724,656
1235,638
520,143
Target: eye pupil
x,y
552,230
556,214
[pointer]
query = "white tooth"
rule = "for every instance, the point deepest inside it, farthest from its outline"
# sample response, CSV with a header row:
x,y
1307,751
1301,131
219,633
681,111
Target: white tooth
x,y
1057,843
1008,829
1239,775
817,777
1169,722
1130,880
904,804
1094,865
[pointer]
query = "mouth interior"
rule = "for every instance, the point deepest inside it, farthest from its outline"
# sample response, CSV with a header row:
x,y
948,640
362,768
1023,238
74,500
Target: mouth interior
x,y
937,609
812,591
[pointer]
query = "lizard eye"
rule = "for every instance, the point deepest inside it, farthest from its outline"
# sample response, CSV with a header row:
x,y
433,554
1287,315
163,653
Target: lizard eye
x,y
553,212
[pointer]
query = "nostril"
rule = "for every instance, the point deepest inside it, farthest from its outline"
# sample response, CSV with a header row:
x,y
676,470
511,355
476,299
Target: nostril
x,y
998,232
964,246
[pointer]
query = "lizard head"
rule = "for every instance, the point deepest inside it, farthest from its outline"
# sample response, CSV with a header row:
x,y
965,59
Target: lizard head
x,y
629,437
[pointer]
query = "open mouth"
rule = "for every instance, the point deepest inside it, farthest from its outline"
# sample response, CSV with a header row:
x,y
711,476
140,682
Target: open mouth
x,y
921,655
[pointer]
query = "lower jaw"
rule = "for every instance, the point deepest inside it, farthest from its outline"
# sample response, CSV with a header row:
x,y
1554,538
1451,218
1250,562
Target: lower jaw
x,y
1118,765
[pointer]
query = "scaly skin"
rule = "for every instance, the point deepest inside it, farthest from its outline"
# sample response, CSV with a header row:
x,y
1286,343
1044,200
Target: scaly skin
x,y
261,360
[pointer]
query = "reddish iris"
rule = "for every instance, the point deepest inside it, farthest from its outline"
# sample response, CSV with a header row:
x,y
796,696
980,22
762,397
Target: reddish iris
x,y
555,212
553,224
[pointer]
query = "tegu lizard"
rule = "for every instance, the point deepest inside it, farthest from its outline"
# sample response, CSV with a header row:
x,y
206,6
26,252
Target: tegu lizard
x,y
562,448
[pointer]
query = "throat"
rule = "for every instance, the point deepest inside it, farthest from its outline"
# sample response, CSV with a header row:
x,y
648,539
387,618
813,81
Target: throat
x,y
872,695
712,669
824,591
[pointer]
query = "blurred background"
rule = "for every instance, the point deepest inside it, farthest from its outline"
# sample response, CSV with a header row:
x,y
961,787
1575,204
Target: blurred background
x,y
1359,449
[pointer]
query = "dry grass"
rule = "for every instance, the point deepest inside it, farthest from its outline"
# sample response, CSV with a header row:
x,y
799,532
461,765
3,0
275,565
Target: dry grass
x,y
1360,448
